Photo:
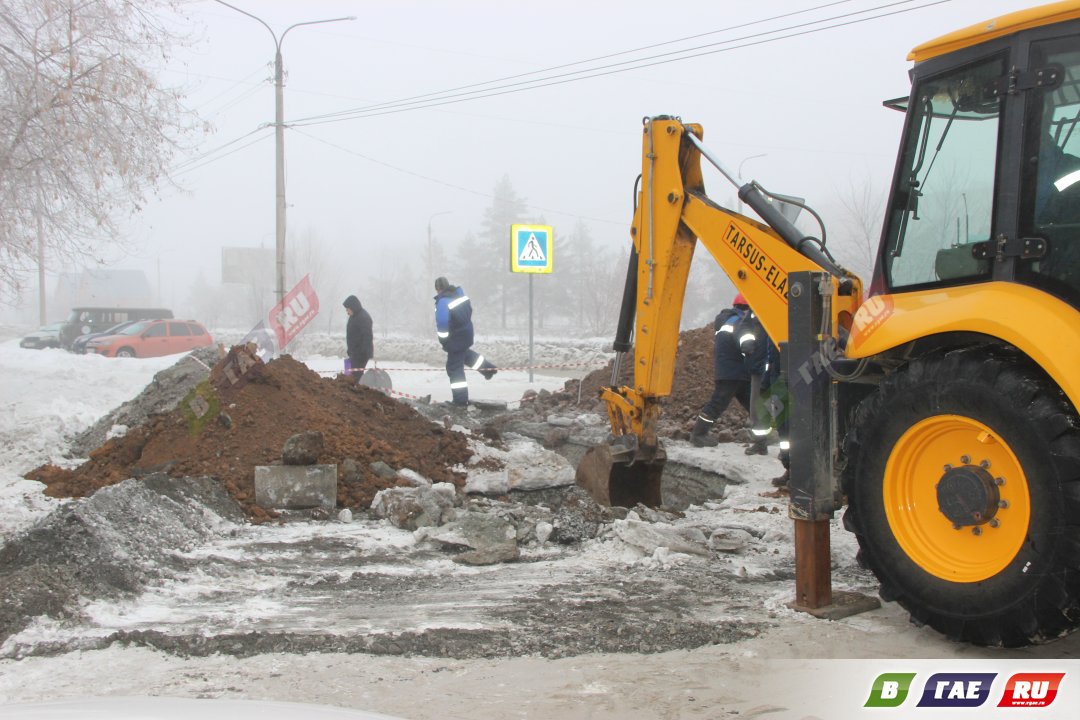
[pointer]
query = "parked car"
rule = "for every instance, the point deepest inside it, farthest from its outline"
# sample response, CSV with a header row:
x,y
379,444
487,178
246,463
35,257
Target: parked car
x,y
47,336
79,344
86,320
152,338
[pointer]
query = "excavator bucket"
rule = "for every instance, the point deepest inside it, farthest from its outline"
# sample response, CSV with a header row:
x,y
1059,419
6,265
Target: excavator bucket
x,y
613,479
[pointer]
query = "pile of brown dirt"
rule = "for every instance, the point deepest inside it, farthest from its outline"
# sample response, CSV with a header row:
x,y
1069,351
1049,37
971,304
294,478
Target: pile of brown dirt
x,y
254,419
690,390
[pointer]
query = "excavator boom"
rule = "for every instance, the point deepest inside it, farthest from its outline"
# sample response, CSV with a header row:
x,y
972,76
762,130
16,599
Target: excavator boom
x,y
673,214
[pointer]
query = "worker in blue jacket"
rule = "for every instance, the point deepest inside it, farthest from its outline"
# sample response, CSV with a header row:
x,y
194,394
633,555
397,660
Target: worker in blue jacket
x,y
454,327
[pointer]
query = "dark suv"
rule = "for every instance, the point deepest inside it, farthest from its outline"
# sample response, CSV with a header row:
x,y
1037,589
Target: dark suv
x,y
86,320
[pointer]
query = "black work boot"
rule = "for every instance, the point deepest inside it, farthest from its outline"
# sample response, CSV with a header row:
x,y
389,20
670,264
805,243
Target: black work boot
x,y
699,436
760,446
782,480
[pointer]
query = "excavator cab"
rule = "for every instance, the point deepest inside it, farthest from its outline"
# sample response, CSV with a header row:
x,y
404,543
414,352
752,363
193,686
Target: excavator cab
x,y
960,191
962,467
940,407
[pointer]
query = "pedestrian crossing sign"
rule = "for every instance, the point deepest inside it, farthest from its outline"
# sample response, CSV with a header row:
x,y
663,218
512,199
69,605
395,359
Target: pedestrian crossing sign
x,y
530,248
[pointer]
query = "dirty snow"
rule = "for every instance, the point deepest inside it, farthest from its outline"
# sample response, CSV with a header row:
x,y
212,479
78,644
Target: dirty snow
x,y
250,612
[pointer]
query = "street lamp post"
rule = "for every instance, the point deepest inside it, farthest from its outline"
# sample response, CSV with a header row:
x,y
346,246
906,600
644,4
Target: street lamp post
x,y
279,136
430,246
739,173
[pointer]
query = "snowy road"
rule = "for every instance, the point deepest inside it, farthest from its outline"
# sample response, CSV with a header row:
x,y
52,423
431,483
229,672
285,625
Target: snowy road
x,y
362,615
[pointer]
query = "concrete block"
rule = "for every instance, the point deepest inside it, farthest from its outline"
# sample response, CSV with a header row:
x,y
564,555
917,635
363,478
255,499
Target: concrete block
x,y
296,487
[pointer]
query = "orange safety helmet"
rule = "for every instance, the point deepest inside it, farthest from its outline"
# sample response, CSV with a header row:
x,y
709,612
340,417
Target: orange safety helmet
x,y
740,300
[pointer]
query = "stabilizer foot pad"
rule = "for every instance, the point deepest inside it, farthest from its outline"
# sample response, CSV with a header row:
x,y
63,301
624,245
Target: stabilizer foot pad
x,y
844,604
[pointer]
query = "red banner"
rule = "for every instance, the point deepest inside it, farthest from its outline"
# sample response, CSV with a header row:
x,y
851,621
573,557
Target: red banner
x,y
296,310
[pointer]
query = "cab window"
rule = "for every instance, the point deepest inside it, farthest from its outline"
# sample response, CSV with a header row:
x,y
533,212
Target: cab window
x,y
1050,194
943,202
157,330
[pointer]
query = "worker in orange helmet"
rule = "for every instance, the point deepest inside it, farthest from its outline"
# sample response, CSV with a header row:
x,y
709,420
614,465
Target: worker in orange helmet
x,y
741,353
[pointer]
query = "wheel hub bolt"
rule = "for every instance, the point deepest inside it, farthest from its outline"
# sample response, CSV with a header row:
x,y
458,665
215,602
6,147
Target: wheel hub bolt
x,y
999,481
984,464
1003,504
994,522
976,530
966,459
948,467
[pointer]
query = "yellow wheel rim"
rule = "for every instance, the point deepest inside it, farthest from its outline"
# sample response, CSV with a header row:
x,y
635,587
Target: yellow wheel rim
x,y
916,464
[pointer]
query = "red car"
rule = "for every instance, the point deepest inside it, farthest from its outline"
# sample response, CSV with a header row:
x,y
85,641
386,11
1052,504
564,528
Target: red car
x,y
152,338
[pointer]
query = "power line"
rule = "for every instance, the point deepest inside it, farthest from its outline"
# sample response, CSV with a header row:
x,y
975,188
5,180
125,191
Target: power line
x,y
197,162
432,95
448,184
360,113
612,68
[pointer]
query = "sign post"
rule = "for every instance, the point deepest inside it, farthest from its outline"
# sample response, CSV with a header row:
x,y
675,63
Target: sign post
x,y
530,252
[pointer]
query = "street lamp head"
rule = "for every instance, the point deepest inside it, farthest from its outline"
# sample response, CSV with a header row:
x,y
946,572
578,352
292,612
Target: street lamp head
x,y
744,161
279,126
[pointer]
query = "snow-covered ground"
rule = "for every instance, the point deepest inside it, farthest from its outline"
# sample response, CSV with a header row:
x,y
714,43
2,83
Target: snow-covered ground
x,y
266,579
48,396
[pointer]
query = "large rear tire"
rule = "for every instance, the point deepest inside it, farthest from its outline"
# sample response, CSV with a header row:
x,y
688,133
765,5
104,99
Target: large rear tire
x,y
963,483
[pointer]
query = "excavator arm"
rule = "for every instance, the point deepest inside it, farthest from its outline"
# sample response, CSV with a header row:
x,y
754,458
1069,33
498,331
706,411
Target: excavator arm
x,y
673,214
803,299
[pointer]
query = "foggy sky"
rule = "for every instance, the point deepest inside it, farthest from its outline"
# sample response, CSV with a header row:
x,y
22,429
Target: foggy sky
x,y
810,105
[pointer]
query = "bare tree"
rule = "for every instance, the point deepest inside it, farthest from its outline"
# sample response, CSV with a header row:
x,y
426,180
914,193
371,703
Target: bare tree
x,y
863,208
85,129
601,296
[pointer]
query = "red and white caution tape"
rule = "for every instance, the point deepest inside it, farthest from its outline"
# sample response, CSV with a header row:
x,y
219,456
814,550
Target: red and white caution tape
x,y
500,368
388,391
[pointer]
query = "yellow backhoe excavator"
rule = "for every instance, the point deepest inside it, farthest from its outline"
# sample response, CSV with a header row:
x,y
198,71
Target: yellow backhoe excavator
x,y
940,403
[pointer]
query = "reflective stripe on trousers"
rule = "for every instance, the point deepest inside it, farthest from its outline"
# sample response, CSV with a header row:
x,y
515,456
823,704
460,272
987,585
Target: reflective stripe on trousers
x,y
455,370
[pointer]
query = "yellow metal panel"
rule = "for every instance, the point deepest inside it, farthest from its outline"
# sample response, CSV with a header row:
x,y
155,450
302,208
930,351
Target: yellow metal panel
x,y
753,256
665,252
1046,329
997,27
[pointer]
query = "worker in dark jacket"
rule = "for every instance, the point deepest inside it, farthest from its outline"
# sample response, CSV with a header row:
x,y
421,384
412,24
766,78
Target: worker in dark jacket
x,y
740,353
358,339
760,357
454,328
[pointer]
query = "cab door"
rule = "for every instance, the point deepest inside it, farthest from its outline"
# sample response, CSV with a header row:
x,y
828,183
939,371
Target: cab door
x,y
1050,180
